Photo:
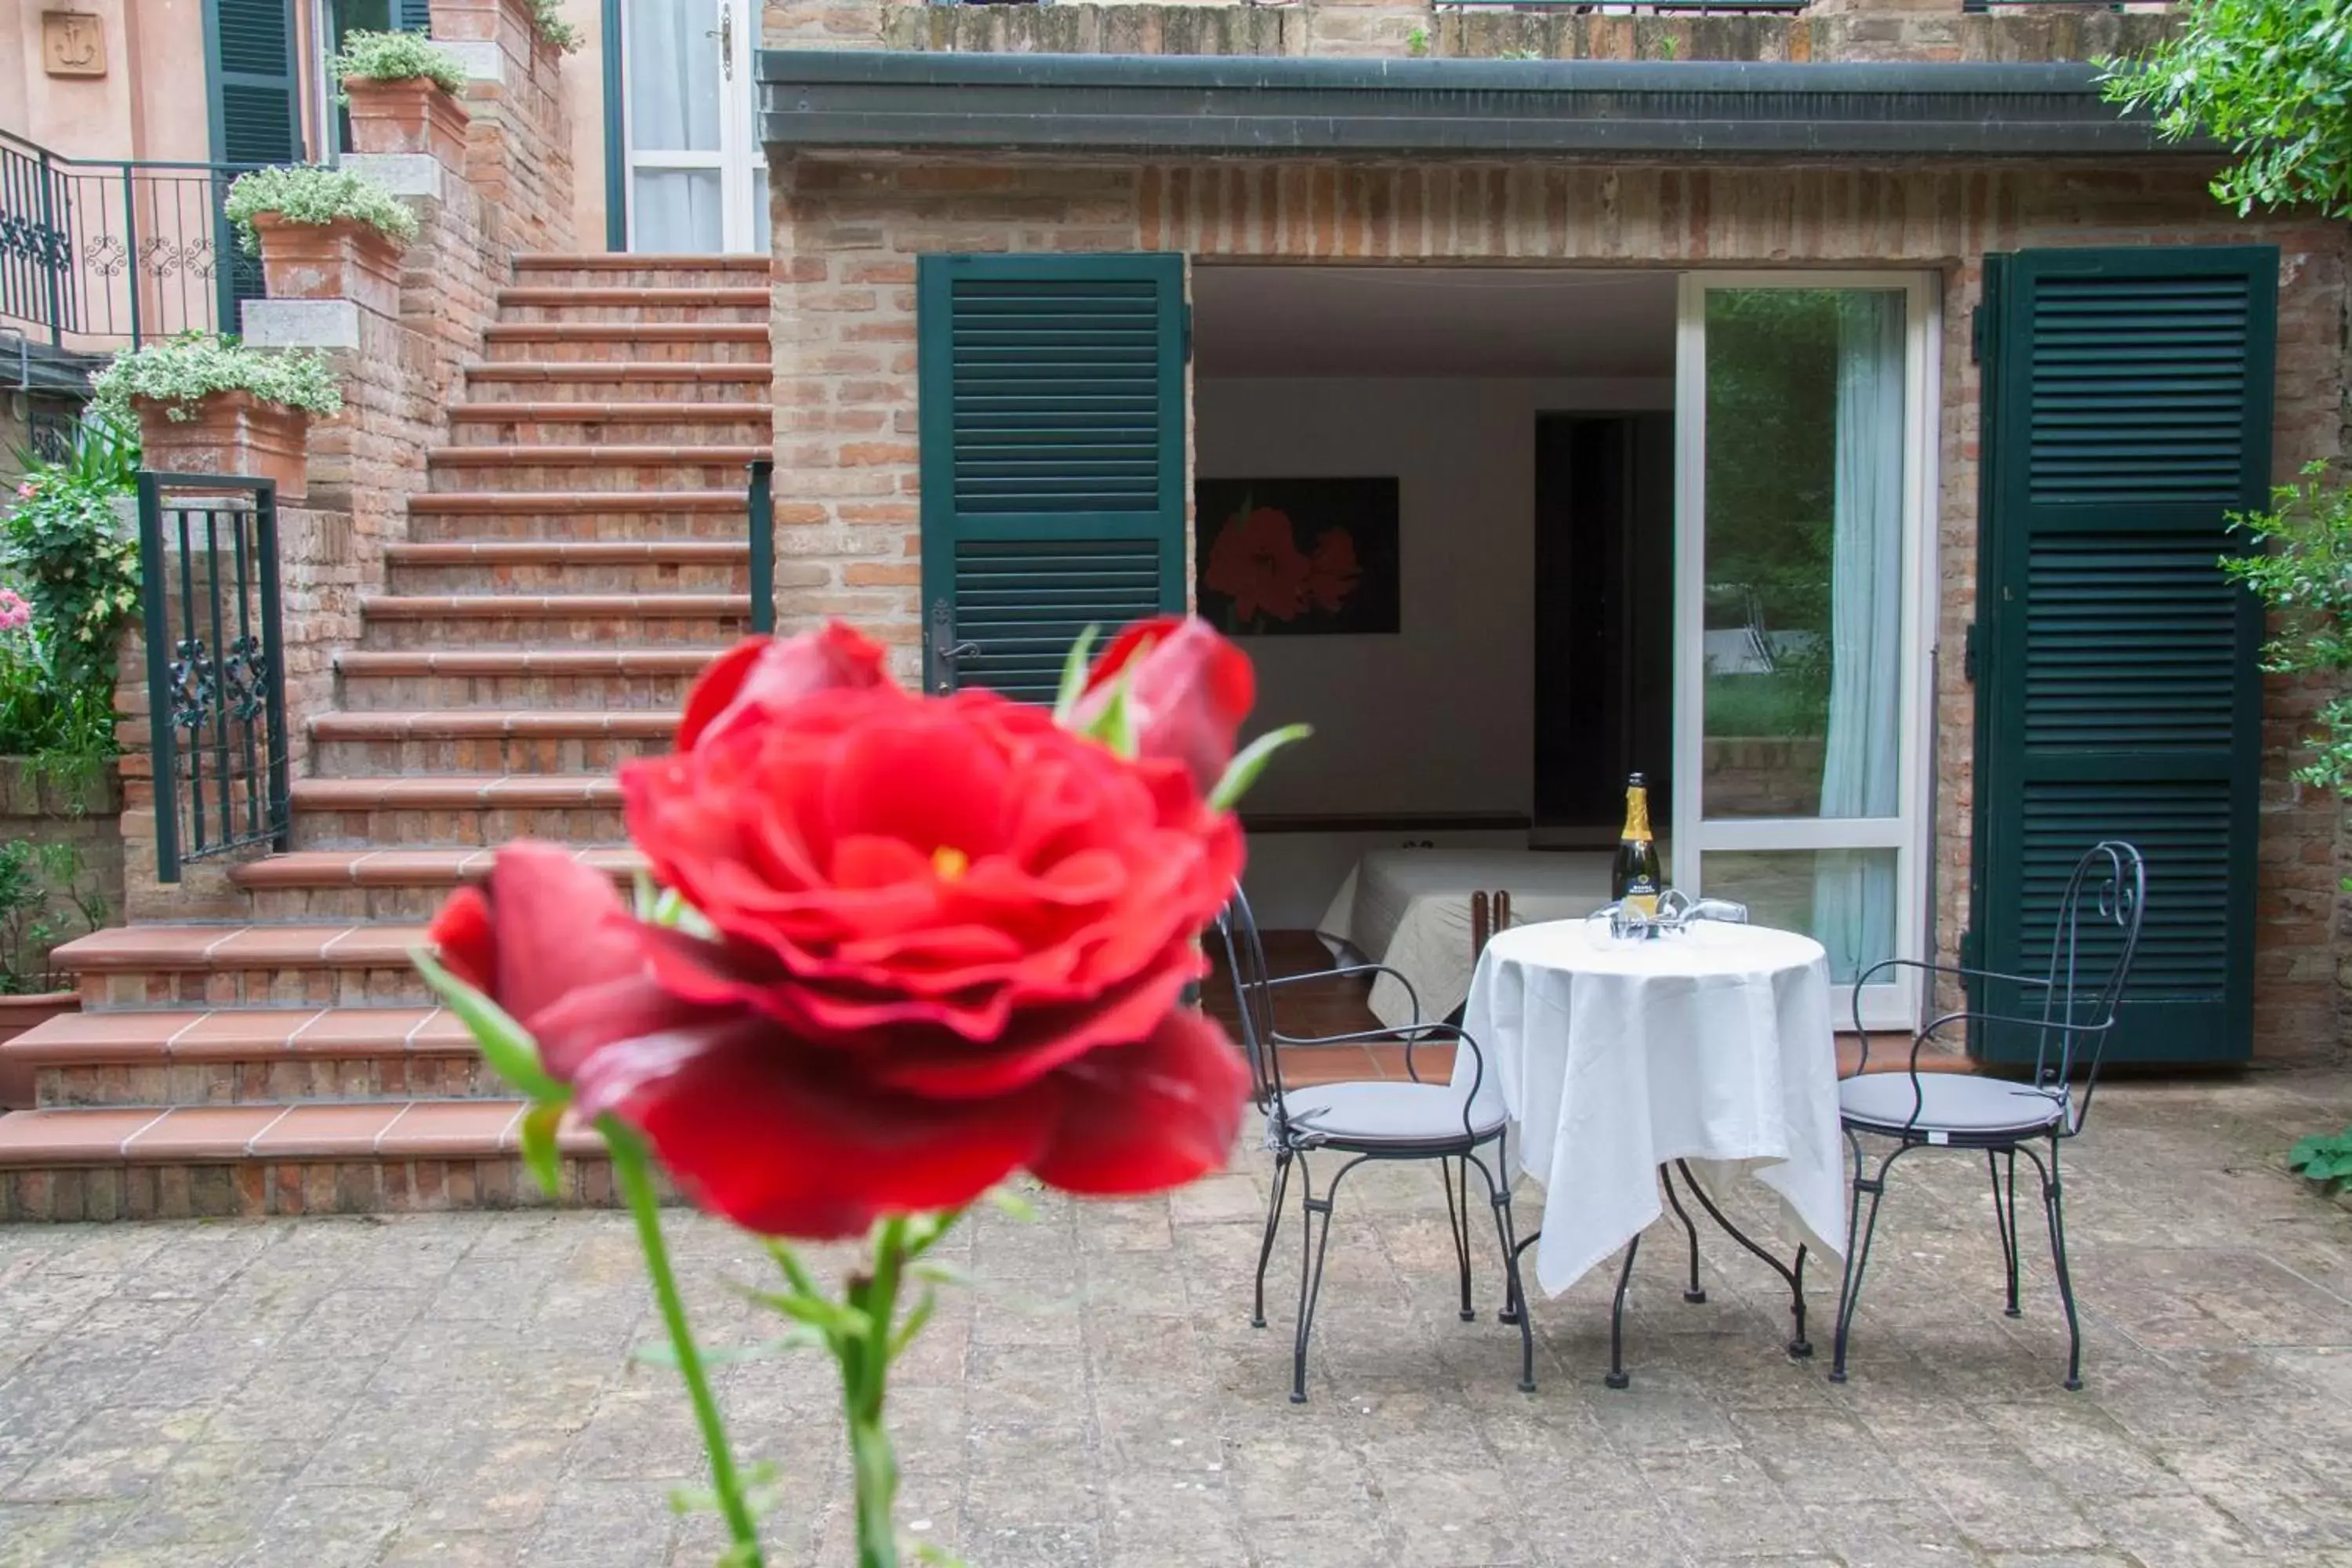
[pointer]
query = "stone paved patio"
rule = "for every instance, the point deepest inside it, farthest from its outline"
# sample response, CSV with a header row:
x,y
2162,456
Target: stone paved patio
x,y
460,1390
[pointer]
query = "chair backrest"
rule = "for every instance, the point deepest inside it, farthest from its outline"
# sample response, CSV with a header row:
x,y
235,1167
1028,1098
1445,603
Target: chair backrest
x,y
2091,945
1246,965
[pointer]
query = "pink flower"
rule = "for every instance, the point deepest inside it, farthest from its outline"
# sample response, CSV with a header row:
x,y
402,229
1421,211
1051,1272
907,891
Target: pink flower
x,y
25,491
15,614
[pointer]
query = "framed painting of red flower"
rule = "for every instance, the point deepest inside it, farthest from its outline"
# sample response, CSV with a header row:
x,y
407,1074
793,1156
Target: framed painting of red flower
x,y
1297,557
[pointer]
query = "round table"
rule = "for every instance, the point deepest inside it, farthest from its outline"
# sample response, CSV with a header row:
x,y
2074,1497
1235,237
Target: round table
x,y
1708,1048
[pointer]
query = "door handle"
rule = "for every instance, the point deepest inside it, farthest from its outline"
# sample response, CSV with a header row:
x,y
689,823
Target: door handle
x,y
947,657
725,34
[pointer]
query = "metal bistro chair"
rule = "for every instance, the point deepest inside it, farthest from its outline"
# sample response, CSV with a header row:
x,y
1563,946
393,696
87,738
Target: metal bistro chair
x,y
2098,921
1366,1120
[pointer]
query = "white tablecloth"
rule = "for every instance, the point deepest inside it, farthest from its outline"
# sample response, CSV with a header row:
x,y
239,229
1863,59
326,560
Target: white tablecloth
x,y
1613,1059
1410,909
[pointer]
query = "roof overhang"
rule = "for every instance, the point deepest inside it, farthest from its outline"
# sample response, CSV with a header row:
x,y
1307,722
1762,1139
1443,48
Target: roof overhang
x,y
1282,106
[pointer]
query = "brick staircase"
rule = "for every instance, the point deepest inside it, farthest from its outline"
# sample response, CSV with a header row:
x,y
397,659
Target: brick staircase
x,y
579,554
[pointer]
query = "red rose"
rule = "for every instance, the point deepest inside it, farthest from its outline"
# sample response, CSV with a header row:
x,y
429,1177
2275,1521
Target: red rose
x,y
951,942
761,675
1334,570
1188,690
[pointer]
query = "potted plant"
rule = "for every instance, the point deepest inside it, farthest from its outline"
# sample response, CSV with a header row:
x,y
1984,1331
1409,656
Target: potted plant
x,y
208,405
553,31
322,234
403,92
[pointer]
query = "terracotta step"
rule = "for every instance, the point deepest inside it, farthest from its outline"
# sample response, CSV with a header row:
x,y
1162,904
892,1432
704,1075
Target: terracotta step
x,y
485,740
534,565
244,1055
471,811
338,965
527,620
667,382
222,1159
667,506
383,884
637,342
637,469
519,422
596,270
631,302
601,678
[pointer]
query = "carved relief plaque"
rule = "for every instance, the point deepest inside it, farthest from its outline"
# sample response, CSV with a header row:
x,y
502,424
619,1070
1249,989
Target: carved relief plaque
x,y
73,42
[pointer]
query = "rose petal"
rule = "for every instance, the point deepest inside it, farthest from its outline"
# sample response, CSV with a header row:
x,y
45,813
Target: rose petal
x,y
1155,1114
560,926
465,938
760,677
783,1142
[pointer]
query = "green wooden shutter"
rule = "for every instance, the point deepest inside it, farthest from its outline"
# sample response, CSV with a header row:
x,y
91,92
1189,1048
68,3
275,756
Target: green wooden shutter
x,y
2127,411
413,15
256,118
1052,392
257,115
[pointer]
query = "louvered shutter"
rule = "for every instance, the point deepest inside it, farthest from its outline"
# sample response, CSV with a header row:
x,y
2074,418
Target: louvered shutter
x,y
412,15
257,115
1052,393
256,118
2128,410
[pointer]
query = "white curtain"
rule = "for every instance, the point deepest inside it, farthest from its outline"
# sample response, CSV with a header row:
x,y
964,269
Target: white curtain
x,y
674,98
1854,890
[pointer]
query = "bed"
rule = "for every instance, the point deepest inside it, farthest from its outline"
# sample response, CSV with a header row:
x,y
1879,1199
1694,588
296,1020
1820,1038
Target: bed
x,y
1410,909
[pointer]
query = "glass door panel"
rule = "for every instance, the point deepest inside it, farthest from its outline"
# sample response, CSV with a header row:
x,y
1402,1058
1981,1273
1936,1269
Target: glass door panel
x,y
694,158
1800,667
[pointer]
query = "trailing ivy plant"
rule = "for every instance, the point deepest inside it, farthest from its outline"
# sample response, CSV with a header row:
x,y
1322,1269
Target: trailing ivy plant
x,y
2270,79
395,57
181,371
314,193
547,16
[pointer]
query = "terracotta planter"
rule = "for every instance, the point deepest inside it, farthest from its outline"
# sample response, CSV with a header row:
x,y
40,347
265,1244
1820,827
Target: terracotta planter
x,y
412,116
229,433
345,260
18,1014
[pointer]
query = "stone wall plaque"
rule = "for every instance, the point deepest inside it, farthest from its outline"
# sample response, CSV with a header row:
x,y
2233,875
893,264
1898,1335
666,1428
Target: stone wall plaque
x,y
73,42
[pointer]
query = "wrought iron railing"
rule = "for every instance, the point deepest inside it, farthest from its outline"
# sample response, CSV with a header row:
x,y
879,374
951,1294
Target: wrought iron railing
x,y
216,664
760,506
98,254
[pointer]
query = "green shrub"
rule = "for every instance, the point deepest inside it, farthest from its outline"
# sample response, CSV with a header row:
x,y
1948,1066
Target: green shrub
x,y
2304,577
178,373
73,567
547,16
34,878
312,192
395,57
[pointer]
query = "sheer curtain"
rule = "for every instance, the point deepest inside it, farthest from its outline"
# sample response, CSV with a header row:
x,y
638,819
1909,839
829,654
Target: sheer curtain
x,y
1854,890
674,98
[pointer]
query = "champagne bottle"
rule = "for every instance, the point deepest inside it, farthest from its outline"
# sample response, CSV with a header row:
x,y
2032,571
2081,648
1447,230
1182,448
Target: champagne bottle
x,y
1634,880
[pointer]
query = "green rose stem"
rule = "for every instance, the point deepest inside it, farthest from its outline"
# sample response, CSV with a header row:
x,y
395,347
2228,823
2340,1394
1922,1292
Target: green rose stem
x,y
865,1375
634,1174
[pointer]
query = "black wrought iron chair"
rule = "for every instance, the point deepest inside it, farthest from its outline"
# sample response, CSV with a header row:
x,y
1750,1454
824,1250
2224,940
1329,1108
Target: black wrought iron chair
x,y
1366,1120
2097,929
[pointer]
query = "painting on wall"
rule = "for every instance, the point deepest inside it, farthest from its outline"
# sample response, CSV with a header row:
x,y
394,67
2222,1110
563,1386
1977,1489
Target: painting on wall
x,y
1297,557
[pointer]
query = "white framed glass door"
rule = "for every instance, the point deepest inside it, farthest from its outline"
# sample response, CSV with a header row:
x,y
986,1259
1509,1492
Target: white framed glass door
x,y
1804,487
698,180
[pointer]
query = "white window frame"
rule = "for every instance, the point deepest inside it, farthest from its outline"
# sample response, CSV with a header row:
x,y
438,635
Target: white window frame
x,y
1910,832
738,156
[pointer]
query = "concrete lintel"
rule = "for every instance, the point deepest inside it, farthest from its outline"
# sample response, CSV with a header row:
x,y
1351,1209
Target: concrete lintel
x,y
302,323
401,173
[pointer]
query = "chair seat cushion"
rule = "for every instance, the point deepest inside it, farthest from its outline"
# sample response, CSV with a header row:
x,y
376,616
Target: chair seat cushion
x,y
1370,1112
1961,1103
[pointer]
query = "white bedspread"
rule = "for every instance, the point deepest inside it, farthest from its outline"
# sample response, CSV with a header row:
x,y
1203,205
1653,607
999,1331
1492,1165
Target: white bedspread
x,y
1410,909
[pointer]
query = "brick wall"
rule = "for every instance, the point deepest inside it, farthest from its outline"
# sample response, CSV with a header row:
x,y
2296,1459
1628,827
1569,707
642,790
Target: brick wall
x,y
848,232
519,148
